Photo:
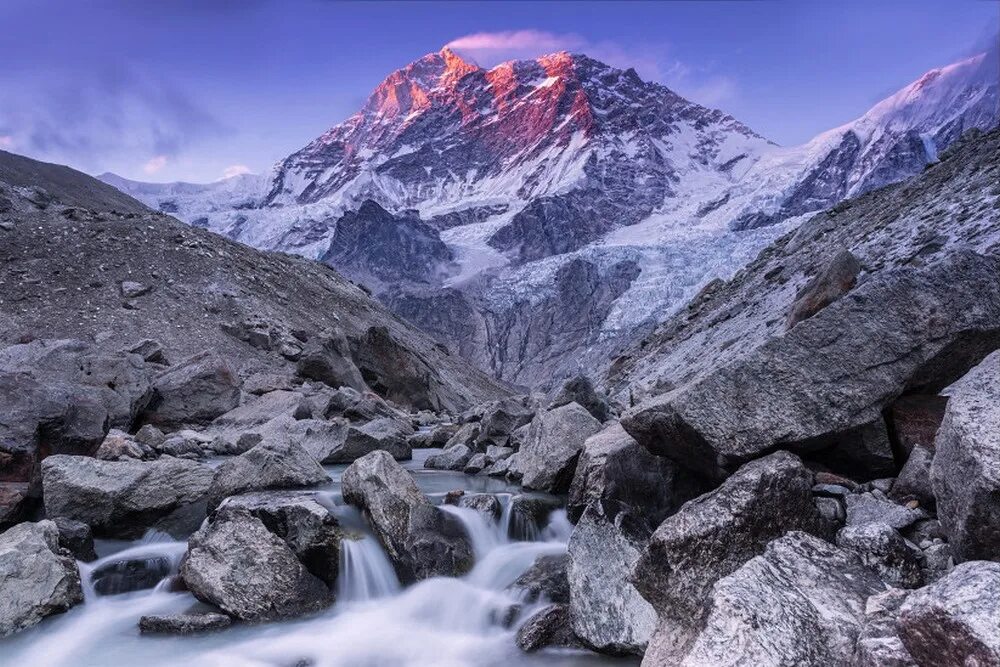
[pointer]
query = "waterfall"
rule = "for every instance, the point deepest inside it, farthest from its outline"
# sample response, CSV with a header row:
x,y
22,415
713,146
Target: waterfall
x,y
365,572
485,536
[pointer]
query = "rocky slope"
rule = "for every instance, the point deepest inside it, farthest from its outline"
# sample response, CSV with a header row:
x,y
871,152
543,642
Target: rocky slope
x,y
83,261
533,166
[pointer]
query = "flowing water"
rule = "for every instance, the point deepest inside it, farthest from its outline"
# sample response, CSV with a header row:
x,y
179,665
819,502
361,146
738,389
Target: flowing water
x,y
440,622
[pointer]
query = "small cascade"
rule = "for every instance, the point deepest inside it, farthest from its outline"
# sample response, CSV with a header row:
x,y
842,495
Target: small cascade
x,y
485,536
145,565
365,571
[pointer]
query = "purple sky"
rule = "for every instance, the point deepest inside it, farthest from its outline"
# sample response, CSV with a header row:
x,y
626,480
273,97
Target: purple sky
x,y
193,89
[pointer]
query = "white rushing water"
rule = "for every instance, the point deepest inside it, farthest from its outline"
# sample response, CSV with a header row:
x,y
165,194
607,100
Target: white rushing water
x,y
440,622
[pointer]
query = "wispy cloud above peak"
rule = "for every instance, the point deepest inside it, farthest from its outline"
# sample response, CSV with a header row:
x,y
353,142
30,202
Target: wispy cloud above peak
x,y
235,170
155,164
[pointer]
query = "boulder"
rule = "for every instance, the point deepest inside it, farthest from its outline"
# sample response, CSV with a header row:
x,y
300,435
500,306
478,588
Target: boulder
x,y
955,622
477,464
194,392
383,434
501,418
235,563
14,501
183,624
150,350
308,528
547,460
879,644
401,375
467,435
874,507
580,390
607,612
357,406
269,465
420,539
966,470
327,359
548,626
914,481
76,538
122,498
452,458
833,281
118,445
882,548
833,373
130,573
713,535
546,579
484,503
529,514
801,602
437,436
37,577
613,466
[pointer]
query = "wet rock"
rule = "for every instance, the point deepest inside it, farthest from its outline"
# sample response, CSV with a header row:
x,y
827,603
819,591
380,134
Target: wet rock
x,y
130,574
530,514
269,465
436,437
121,498
421,540
801,602
953,622
195,391
467,435
833,281
183,624
824,378
452,458
914,481
484,503
613,466
871,508
37,578
713,535
308,528
580,390
235,563
547,627
76,538
966,468
607,612
327,359
546,579
547,460
883,549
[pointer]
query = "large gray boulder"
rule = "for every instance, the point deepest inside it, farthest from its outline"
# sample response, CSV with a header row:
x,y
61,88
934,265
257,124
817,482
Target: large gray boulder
x,y
879,644
122,498
966,468
546,579
713,535
834,373
955,622
580,390
309,529
503,417
327,359
549,626
269,465
882,548
914,480
547,459
235,563
606,611
801,602
195,391
613,466
452,458
383,434
421,540
37,577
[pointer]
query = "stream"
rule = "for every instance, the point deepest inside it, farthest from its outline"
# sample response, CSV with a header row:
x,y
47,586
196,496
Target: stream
x,y
375,622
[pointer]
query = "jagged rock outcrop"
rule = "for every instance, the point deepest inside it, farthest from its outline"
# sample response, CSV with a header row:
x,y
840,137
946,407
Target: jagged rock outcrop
x,y
421,540
37,577
235,563
122,498
966,467
802,601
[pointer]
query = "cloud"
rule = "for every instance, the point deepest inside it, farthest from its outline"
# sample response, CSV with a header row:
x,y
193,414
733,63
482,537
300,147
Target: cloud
x,y
653,62
90,118
235,170
6,141
155,164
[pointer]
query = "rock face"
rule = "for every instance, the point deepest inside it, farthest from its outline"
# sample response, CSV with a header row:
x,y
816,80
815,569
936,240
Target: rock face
x,y
421,540
613,466
238,565
954,621
308,528
121,498
269,465
713,535
37,577
966,468
606,611
834,281
832,374
548,458
801,602
195,391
